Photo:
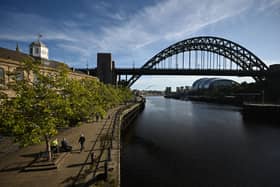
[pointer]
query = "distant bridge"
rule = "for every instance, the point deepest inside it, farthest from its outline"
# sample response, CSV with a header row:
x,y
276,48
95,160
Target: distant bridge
x,y
204,55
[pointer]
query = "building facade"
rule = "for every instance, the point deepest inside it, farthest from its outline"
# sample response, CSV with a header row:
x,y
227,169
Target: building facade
x,y
12,61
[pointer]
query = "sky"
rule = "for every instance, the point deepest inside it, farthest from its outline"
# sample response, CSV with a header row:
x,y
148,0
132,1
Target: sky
x,y
134,31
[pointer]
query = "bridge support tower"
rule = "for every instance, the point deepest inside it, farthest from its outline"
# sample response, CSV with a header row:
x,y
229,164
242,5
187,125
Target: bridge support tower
x,y
273,86
106,68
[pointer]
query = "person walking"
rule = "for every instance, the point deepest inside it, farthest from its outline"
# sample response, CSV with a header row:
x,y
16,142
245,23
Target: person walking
x,y
82,140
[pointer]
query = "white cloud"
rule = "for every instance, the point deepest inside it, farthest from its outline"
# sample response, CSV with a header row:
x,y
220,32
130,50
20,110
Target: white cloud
x,y
139,36
169,20
268,4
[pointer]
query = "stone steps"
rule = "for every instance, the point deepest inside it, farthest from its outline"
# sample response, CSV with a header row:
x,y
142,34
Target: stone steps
x,y
41,164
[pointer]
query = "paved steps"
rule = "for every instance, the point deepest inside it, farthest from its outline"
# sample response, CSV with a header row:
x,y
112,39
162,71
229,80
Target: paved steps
x,y
41,163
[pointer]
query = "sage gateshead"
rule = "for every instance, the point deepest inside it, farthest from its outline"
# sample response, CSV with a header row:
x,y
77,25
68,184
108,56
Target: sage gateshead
x,y
213,83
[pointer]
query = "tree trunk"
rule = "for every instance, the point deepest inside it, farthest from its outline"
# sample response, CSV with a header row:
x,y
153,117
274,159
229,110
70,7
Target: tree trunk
x,y
48,147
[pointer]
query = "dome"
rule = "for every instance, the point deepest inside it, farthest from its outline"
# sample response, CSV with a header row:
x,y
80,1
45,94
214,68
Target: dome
x,y
208,83
197,84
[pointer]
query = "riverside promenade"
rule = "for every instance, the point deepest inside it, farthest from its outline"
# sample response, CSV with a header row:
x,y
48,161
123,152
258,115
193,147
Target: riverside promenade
x,y
74,169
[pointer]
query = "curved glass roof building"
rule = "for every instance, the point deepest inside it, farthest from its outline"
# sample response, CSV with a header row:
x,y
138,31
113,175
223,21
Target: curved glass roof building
x,y
210,83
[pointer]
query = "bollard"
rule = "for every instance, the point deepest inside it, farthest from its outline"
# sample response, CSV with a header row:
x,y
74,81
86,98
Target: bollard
x,y
109,154
105,170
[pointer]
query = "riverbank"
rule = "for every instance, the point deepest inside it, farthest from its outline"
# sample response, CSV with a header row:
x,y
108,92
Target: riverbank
x,y
77,167
250,111
229,100
261,112
110,174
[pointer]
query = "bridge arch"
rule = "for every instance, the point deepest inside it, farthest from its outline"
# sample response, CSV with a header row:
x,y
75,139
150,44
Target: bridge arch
x,y
234,53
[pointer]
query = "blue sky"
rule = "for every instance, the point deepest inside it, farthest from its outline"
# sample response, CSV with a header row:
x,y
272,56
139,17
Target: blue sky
x,y
134,31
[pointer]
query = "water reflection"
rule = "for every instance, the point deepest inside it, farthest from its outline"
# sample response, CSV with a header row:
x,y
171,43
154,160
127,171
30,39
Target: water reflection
x,y
179,143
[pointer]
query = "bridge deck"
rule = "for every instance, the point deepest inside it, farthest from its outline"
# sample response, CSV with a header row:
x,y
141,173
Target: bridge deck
x,y
135,71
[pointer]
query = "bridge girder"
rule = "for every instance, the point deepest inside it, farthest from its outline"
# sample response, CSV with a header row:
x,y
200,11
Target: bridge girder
x,y
223,47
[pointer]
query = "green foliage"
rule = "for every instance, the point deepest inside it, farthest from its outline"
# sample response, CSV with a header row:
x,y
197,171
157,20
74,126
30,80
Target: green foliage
x,y
42,106
31,114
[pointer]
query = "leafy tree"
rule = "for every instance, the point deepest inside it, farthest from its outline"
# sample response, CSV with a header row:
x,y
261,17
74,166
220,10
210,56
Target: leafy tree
x,y
43,105
31,115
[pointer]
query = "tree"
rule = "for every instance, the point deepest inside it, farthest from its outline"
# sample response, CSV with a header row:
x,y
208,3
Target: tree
x,y
43,105
31,115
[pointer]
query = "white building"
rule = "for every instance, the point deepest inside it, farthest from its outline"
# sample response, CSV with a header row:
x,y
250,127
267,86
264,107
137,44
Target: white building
x,y
38,49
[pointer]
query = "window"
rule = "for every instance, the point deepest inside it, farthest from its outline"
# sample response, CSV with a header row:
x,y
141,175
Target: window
x,y
37,50
2,76
31,51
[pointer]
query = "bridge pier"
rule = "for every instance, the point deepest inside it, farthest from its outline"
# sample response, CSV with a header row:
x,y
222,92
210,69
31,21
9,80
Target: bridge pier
x,y
106,68
273,86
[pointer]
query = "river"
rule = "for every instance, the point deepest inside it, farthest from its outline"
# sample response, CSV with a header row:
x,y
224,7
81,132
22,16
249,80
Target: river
x,y
184,143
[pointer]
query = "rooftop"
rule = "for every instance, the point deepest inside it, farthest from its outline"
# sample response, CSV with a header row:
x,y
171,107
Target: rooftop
x,y
20,57
38,43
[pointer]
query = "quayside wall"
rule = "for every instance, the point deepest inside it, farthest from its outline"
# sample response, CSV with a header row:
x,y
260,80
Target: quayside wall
x,y
129,115
122,120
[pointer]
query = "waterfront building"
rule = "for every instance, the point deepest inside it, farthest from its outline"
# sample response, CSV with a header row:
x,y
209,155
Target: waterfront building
x,y
12,60
167,90
180,89
212,83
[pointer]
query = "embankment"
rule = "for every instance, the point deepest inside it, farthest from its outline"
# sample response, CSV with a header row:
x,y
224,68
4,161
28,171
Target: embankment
x,y
261,112
124,117
128,115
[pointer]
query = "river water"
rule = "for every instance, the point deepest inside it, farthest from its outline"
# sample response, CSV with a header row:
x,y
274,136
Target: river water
x,y
184,143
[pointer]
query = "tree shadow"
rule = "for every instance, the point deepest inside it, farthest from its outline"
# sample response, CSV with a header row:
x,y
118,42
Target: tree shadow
x,y
10,169
17,166
92,181
31,155
69,180
79,164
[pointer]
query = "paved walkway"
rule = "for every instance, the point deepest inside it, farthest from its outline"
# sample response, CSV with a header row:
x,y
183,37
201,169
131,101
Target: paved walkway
x,y
12,162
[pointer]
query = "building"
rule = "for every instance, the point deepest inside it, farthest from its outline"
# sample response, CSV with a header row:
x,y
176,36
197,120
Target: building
x,y
212,83
168,90
11,61
180,89
38,49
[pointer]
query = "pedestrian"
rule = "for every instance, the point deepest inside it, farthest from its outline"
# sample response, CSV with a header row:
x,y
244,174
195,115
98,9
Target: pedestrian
x,y
82,140
54,146
65,146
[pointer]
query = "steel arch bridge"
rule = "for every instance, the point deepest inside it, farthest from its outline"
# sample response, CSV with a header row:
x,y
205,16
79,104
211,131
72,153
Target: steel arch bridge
x,y
203,55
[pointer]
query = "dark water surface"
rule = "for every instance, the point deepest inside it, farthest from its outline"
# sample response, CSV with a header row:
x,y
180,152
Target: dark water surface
x,y
179,143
